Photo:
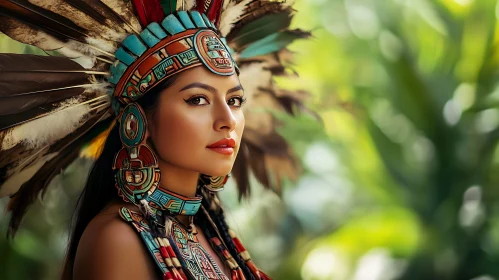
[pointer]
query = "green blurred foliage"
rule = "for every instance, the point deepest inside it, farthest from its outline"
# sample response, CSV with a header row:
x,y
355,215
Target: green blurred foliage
x,y
399,176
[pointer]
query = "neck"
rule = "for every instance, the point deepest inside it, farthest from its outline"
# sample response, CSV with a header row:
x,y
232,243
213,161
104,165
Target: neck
x,y
178,180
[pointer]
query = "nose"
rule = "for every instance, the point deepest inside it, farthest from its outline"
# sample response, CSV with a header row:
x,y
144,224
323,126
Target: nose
x,y
224,118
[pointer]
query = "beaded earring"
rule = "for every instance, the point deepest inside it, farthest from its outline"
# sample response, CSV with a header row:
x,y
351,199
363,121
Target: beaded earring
x,y
213,183
136,165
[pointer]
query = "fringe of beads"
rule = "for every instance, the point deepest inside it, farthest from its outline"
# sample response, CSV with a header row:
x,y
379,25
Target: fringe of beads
x,y
175,271
247,258
235,271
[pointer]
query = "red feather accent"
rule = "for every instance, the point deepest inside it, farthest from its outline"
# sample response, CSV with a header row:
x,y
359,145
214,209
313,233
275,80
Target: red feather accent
x,y
211,8
148,11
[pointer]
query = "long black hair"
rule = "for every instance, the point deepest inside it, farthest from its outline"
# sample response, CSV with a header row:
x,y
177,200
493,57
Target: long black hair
x,y
100,189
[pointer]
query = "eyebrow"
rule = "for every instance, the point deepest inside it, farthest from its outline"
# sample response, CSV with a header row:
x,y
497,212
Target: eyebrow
x,y
210,88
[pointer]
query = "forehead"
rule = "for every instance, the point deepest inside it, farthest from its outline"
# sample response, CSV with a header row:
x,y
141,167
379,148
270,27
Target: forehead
x,y
203,75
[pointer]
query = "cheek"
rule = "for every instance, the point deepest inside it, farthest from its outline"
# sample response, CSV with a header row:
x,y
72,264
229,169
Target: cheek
x,y
179,133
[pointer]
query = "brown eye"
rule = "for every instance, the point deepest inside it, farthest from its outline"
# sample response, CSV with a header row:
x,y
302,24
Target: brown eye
x,y
197,101
236,101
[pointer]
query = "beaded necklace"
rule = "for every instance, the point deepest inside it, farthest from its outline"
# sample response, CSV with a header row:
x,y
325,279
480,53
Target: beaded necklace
x,y
174,247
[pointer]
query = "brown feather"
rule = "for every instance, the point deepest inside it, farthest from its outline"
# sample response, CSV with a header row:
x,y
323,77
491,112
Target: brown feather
x,y
124,9
48,79
12,120
20,152
70,10
69,148
102,13
256,10
257,164
282,167
270,143
26,34
50,22
240,171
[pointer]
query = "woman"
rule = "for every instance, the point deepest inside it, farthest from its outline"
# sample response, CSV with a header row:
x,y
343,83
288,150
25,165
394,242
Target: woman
x,y
178,125
187,118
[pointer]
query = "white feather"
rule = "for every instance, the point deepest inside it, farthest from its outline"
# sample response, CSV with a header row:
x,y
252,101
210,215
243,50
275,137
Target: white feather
x,y
231,15
48,129
226,3
187,5
14,182
253,76
102,46
86,62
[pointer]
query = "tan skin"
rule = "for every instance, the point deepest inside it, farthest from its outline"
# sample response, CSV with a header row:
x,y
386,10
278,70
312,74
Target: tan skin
x,y
191,115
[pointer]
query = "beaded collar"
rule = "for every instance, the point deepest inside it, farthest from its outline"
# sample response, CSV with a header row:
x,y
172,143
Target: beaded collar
x,y
173,203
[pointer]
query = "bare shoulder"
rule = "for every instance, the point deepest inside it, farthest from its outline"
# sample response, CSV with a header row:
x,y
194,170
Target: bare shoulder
x,y
111,249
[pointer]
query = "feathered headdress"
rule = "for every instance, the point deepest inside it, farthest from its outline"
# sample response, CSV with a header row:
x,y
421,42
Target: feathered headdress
x,y
52,105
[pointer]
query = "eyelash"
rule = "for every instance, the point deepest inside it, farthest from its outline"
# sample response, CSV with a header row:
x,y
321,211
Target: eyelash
x,y
189,101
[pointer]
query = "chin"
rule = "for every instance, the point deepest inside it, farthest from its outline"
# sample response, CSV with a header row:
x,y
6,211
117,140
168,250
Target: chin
x,y
217,169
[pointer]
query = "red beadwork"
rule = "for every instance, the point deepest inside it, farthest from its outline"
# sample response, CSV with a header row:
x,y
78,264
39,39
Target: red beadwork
x,y
164,253
239,245
170,251
168,276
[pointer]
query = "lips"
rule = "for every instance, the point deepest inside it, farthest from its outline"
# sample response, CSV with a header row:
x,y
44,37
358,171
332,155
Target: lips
x,y
224,146
224,143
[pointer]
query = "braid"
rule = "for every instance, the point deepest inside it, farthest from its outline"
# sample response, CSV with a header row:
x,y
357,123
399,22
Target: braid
x,y
218,218
224,231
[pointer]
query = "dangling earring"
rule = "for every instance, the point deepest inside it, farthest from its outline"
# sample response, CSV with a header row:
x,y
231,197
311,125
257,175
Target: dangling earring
x,y
210,185
213,183
136,166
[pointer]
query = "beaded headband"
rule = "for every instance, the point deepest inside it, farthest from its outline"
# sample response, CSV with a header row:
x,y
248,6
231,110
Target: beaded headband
x,y
179,43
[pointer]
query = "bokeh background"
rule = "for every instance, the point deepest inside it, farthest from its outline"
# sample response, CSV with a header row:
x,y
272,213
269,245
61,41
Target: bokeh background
x,y
401,177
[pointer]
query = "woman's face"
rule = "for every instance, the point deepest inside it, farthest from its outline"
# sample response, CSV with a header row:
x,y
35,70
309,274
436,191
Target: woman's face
x,y
195,120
